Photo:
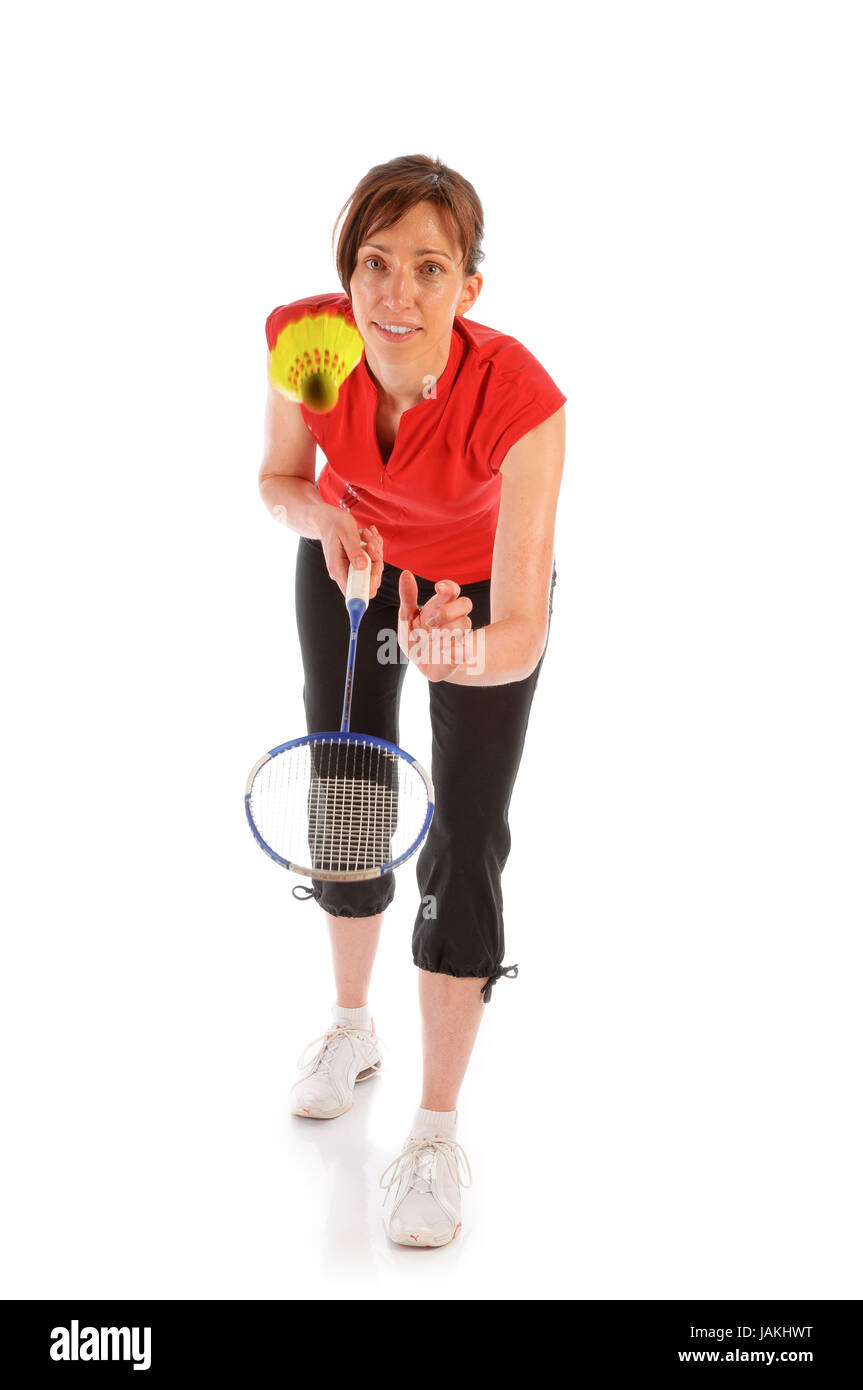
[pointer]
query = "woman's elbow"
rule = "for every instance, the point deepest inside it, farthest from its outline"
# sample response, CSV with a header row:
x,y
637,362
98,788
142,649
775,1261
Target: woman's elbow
x,y
534,651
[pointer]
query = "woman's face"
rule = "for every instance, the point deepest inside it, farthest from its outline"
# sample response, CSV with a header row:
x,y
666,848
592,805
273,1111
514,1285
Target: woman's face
x,y
409,276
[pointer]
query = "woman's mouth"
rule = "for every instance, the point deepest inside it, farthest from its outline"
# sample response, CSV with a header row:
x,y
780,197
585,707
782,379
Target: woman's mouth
x,y
395,333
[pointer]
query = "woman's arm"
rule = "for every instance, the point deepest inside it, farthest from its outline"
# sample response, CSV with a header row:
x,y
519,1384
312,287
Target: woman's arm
x,y
287,475
523,557
510,647
287,485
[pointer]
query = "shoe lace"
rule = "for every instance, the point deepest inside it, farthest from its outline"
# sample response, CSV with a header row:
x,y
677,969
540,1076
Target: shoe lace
x,y
419,1158
329,1043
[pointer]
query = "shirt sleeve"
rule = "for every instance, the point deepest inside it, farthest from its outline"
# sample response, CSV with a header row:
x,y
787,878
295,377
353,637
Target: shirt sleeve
x,y
275,323
298,308
522,397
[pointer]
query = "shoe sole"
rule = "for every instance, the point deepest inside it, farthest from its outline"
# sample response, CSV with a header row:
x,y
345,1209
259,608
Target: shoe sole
x,y
305,1114
425,1243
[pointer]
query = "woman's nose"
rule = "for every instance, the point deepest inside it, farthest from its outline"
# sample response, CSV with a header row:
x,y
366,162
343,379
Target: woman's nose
x,y
399,288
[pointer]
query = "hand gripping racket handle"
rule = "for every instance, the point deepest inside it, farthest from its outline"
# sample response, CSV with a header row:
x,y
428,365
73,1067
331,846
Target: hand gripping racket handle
x,y
356,602
359,582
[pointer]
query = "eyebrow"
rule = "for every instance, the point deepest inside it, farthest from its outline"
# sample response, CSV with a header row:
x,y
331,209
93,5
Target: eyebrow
x,y
425,251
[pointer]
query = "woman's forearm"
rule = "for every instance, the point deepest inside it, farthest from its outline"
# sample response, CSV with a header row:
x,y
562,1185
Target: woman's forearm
x,y
294,502
502,652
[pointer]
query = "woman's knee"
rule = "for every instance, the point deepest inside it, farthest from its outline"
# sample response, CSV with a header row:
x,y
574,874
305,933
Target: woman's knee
x,y
469,842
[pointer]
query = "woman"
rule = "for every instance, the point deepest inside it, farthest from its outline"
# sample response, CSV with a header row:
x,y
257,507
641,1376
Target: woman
x,y
444,460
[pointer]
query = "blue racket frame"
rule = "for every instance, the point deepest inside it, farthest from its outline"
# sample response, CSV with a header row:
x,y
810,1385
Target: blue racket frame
x,y
343,736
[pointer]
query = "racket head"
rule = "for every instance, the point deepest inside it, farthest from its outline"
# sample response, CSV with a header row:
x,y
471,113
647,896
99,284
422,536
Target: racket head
x,y
342,807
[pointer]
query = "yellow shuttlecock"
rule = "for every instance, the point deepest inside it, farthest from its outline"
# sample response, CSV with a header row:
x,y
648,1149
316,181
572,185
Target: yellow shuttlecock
x,y
313,355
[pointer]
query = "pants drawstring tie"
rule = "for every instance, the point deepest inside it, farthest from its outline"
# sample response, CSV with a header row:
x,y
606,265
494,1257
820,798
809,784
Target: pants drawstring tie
x,y
510,971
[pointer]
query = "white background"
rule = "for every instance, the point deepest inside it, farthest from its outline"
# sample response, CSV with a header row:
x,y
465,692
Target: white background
x,y
665,1104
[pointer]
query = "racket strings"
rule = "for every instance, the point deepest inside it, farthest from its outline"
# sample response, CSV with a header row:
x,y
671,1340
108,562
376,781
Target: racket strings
x,y
339,806
353,806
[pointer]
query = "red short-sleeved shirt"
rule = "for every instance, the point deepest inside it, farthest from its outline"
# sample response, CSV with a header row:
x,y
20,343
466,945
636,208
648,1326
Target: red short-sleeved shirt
x,y
436,499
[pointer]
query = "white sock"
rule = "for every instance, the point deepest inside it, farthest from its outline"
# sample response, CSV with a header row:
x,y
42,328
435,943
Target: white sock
x,y
354,1018
427,1123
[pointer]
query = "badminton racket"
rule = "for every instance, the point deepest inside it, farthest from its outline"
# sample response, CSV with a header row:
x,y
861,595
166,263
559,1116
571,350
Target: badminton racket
x,y
340,806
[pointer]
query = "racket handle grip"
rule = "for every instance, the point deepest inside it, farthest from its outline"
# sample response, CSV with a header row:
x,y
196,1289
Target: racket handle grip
x,y
359,582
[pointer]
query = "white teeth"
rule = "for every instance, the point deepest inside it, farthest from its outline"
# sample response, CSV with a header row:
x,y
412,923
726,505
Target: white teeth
x,y
392,328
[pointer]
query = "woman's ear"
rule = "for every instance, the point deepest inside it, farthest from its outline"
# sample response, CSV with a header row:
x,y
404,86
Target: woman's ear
x,y
470,293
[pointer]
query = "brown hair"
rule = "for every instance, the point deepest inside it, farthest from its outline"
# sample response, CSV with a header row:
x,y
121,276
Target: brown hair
x,y
387,191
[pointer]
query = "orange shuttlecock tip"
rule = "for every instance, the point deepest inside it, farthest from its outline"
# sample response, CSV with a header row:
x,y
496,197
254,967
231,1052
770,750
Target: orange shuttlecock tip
x,y
312,357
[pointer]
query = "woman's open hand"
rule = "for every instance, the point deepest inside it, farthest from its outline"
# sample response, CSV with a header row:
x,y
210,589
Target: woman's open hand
x,y
433,637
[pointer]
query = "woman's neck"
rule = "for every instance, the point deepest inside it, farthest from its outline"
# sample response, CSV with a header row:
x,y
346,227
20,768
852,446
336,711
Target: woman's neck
x,y
406,386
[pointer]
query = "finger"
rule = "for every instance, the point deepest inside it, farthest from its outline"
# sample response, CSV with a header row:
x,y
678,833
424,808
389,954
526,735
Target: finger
x,y
407,595
356,552
375,548
439,614
373,541
339,573
457,609
455,625
445,592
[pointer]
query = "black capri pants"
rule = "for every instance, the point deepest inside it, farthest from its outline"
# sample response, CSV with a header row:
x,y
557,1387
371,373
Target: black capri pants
x,y
478,736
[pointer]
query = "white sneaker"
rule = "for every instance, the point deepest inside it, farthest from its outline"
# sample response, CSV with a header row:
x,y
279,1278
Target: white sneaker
x,y
423,1201
346,1055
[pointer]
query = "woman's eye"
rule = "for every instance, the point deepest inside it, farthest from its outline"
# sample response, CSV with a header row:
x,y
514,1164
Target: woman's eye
x,y
374,261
